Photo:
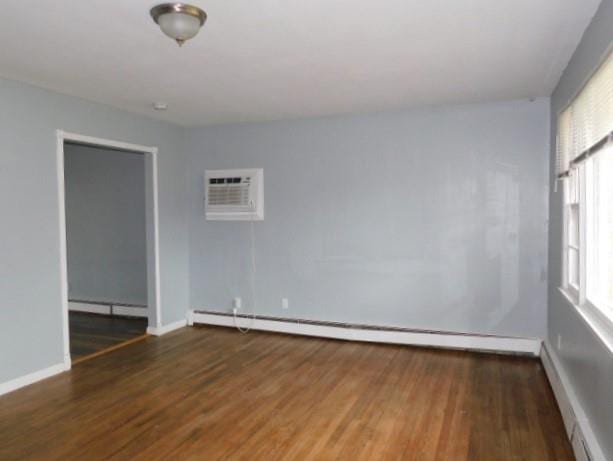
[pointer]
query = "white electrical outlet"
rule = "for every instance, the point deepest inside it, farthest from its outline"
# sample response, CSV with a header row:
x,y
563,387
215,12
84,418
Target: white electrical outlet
x,y
284,303
236,303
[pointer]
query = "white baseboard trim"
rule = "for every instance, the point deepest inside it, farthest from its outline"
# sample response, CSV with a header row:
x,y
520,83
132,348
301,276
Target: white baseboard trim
x,y
162,330
31,378
580,433
369,334
107,309
190,317
89,308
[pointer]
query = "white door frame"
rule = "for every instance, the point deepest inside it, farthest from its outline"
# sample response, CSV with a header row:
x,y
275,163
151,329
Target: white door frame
x,y
62,137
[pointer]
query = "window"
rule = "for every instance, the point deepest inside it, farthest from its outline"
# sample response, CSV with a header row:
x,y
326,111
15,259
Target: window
x,y
599,229
585,164
572,231
588,231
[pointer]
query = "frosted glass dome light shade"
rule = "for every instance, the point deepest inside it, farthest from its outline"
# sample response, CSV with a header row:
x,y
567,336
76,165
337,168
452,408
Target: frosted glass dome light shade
x,y
179,26
178,20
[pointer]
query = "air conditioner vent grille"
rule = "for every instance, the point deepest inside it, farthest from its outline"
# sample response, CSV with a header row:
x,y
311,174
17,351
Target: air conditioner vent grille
x,y
229,194
234,194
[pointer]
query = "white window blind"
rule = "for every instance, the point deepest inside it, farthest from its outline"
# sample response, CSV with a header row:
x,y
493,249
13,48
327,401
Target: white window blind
x,y
586,125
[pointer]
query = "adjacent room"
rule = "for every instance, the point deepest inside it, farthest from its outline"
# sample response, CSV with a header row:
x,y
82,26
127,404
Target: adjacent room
x,y
306,230
106,248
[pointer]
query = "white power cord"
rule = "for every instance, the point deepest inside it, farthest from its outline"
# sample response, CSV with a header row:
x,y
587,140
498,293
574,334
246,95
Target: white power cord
x,y
253,273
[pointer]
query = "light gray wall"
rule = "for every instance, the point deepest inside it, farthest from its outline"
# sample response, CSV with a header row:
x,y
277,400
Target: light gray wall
x,y
105,225
586,360
30,310
432,218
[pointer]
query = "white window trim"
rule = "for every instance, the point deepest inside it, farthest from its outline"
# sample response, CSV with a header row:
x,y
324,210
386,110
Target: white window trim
x,y
572,291
595,317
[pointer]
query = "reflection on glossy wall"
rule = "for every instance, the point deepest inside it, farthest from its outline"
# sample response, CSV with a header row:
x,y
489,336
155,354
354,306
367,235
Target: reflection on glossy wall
x,y
433,218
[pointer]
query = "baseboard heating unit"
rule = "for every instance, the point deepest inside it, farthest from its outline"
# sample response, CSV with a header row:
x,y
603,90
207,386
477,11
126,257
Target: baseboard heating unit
x,y
371,333
108,308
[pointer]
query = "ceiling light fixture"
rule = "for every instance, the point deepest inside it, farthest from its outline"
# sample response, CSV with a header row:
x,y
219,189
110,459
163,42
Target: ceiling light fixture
x,y
178,20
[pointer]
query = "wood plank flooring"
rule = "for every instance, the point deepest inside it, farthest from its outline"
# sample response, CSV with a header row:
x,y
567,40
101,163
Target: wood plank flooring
x,y
211,393
92,333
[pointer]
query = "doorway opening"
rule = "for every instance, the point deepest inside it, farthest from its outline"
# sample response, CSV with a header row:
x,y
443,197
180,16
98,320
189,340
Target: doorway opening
x,y
109,244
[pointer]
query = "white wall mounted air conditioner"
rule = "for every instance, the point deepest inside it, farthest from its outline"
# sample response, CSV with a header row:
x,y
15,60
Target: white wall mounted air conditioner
x,y
234,195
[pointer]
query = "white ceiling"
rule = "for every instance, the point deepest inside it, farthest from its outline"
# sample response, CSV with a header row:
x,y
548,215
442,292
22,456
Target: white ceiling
x,y
276,59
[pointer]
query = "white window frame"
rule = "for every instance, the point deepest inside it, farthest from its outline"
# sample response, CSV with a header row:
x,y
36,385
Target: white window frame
x,y
600,318
572,199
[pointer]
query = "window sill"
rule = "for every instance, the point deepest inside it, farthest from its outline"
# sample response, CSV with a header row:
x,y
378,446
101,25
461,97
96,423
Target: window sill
x,y
598,321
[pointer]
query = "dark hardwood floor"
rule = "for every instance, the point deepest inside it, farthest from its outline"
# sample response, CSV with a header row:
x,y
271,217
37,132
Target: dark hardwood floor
x,y
211,393
92,333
